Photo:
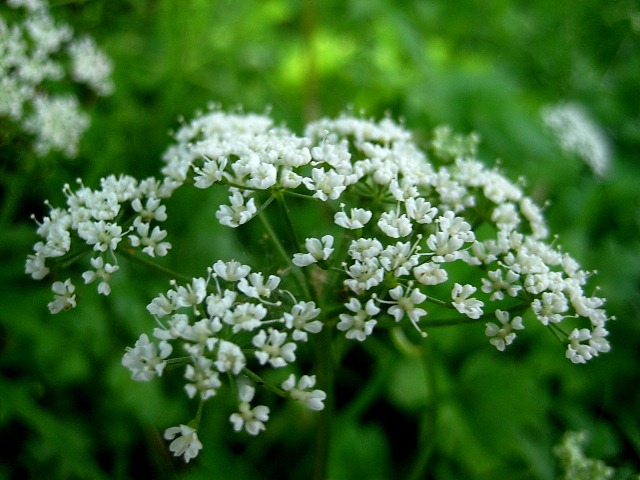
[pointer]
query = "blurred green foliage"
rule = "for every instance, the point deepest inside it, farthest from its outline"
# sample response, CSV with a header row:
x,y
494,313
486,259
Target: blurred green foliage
x,y
457,409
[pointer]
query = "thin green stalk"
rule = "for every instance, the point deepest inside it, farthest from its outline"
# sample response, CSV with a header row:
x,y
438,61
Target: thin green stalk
x,y
426,443
324,368
128,253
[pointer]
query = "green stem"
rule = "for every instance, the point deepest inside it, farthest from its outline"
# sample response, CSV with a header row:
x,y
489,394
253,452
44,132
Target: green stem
x,y
259,381
324,368
129,253
427,443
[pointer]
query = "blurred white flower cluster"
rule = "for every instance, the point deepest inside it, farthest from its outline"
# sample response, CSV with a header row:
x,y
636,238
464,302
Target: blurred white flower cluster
x,y
395,241
578,134
36,56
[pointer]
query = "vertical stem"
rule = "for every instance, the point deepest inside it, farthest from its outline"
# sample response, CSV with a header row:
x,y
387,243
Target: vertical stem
x,y
324,369
311,107
426,444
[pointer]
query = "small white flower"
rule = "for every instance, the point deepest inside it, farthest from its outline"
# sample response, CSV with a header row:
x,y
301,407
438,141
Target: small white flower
x,y
202,378
360,325
238,212
103,272
231,271
577,350
64,298
503,335
471,307
327,184
430,274
230,358
406,304
252,419
394,225
186,443
272,349
299,320
245,316
318,250
211,172
255,287
313,400
357,218
364,275
145,359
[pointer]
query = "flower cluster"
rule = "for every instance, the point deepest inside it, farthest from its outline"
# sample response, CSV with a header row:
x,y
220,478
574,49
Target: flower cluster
x,y
578,134
403,241
36,52
96,221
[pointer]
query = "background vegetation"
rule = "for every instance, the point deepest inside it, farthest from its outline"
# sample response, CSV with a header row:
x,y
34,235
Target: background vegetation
x,y
68,409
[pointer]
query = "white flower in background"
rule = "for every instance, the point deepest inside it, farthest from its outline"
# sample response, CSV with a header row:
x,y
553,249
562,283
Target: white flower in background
x,y
34,67
57,124
91,66
578,134
185,441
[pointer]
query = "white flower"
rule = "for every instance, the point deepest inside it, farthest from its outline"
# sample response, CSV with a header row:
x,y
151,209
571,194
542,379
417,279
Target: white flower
x,y
364,275
256,287
57,123
577,351
299,320
313,400
327,184
578,133
186,444
190,295
238,212
64,298
318,250
471,307
91,66
357,218
394,225
252,419
399,258
211,172
202,378
503,335
152,242
497,285
102,235
360,325
230,358
161,306
420,210
145,359
406,304
272,349
152,210
430,274
245,316
231,271
103,272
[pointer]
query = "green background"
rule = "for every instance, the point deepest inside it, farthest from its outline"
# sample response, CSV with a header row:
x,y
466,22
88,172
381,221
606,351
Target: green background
x,y
68,409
